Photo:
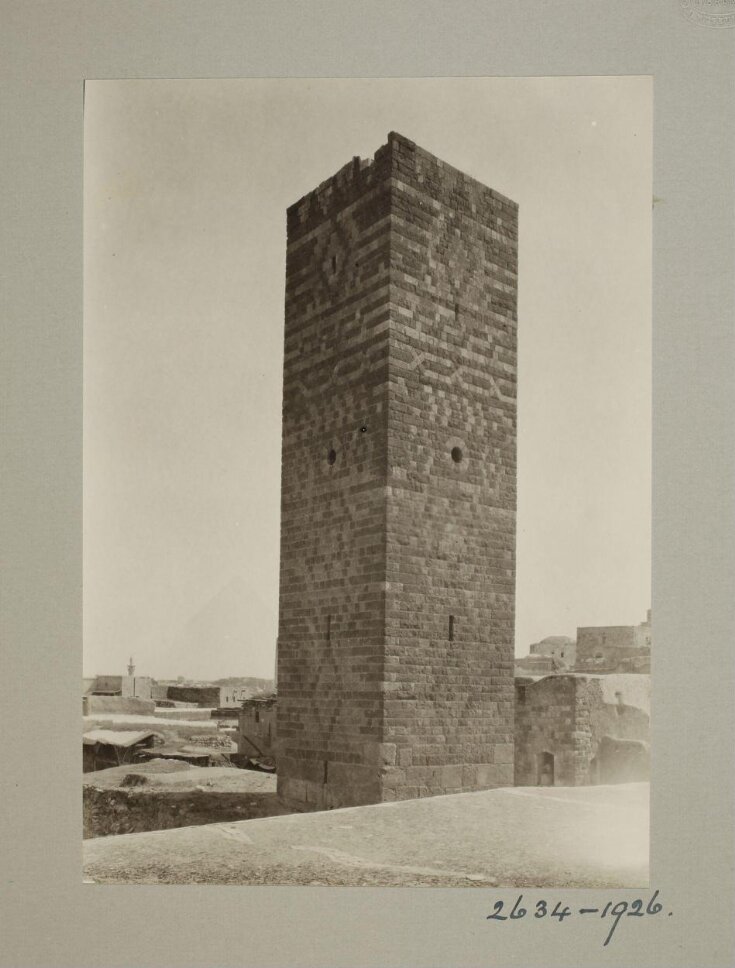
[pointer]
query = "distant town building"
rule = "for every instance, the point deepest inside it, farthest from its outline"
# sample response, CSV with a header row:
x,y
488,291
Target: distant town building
x,y
598,649
575,729
556,647
614,648
129,687
209,696
555,653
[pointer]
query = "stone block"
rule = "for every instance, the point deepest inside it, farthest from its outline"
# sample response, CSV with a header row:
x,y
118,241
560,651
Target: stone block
x,y
380,754
488,776
405,754
503,753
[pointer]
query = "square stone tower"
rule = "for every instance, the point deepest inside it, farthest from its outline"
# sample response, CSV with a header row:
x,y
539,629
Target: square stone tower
x,y
398,503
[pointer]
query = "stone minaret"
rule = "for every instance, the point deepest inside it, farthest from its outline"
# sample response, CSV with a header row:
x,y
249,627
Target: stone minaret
x,y
398,504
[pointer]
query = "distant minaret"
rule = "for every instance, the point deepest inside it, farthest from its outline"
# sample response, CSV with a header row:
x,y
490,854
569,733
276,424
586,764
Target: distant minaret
x,y
131,667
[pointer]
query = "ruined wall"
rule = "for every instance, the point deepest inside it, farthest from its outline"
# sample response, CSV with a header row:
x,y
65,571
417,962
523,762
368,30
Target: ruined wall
x,y
601,716
395,656
545,723
570,716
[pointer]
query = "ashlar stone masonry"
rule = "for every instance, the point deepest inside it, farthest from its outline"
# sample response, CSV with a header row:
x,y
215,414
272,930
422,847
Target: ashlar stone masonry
x,y
395,650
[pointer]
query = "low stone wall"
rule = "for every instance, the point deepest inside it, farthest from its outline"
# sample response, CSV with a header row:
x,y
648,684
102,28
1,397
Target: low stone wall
x,y
191,714
124,811
118,704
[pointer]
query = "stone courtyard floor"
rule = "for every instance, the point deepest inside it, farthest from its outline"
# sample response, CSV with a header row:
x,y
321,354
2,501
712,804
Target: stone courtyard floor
x,y
590,837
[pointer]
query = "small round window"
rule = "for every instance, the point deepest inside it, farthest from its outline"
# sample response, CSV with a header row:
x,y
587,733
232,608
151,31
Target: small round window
x,y
457,454
331,456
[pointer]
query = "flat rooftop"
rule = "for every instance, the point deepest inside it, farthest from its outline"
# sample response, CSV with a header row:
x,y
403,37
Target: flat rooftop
x,y
594,837
133,721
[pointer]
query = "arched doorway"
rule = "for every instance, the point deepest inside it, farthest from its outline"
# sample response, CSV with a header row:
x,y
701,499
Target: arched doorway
x,y
545,775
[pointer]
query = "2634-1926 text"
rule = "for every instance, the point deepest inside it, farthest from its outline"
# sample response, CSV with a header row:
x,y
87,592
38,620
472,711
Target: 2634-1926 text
x,y
612,910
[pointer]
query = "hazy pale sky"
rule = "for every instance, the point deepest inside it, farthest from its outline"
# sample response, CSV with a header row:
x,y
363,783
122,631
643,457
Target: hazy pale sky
x,y
186,187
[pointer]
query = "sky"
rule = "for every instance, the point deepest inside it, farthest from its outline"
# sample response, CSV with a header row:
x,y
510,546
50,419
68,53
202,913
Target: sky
x,y
186,185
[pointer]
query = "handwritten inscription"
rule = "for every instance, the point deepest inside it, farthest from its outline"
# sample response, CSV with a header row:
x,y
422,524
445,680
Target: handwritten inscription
x,y
543,909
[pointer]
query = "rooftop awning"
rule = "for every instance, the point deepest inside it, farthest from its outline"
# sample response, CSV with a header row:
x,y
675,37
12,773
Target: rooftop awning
x,y
116,737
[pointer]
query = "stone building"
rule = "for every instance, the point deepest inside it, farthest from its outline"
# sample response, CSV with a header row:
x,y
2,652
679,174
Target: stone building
x,y
614,648
395,651
575,729
128,687
559,647
555,653
257,728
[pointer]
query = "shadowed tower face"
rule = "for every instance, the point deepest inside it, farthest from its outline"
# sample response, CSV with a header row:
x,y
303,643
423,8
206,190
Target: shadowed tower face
x,y
395,649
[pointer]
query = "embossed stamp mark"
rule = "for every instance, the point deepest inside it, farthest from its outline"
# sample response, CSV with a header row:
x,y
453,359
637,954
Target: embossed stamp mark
x,y
709,13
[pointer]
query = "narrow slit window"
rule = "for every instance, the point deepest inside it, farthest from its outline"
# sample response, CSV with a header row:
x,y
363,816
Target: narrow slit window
x,y
451,628
329,628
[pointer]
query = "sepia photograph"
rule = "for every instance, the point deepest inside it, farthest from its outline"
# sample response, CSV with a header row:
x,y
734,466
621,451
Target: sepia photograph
x,y
367,482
